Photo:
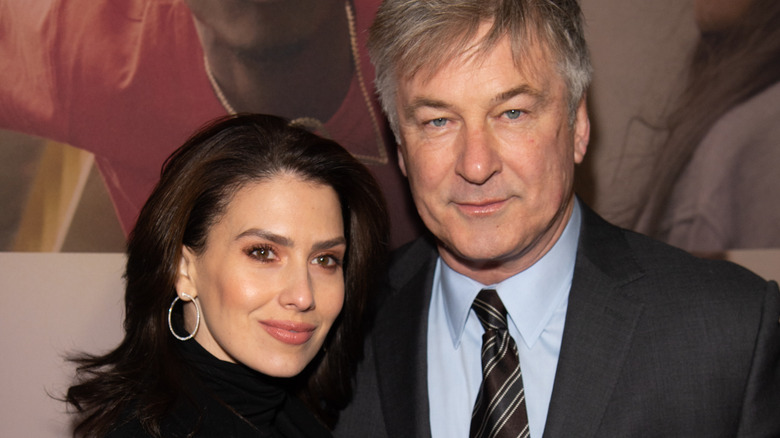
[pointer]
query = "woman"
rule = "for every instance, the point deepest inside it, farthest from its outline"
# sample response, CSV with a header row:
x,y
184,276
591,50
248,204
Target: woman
x,y
715,182
237,270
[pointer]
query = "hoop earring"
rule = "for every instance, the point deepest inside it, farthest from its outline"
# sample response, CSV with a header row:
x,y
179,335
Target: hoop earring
x,y
197,318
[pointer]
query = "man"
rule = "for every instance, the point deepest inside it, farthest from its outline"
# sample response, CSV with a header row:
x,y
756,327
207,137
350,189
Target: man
x,y
617,335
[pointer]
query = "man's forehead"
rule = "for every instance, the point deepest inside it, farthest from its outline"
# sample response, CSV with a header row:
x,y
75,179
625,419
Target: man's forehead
x,y
533,62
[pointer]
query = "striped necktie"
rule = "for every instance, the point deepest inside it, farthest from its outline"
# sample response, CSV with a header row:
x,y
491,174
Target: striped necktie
x,y
500,407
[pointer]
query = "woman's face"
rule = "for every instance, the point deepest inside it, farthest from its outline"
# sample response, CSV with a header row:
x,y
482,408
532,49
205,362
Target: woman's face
x,y
270,281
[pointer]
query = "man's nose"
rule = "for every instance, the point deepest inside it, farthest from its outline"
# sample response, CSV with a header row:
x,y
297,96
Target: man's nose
x,y
479,159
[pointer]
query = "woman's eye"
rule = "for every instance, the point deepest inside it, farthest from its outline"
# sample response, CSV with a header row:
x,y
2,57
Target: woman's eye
x,y
513,114
262,253
438,123
327,261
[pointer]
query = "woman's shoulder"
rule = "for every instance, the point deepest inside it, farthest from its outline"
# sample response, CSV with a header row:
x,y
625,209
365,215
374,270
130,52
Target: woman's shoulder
x,y
202,417
743,129
296,420
128,429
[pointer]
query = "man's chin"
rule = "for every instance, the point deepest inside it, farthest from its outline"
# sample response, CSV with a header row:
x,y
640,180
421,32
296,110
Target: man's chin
x,y
476,253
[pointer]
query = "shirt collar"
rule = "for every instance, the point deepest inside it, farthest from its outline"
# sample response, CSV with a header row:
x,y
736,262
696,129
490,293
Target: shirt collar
x,y
530,296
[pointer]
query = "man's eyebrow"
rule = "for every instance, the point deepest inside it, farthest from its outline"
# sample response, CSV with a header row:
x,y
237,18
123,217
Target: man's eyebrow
x,y
423,102
521,89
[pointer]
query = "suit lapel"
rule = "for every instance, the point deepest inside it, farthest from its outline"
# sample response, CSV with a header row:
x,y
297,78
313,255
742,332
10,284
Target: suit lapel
x,y
599,327
400,342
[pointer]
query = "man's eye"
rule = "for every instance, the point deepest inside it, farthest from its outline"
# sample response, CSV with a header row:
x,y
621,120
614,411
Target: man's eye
x,y
438,122
513,114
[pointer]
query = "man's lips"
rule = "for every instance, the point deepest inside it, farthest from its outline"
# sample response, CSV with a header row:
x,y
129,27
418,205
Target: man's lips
x,y
480,208
289,332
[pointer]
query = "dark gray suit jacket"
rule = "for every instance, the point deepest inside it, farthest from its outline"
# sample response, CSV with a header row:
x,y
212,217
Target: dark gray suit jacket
x,y
656,343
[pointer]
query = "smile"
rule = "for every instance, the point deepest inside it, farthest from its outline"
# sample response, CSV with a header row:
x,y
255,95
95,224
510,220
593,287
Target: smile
x,y
288,332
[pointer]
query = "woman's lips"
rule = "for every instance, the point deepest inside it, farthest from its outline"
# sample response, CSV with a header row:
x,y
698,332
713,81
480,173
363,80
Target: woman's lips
x,y
288,332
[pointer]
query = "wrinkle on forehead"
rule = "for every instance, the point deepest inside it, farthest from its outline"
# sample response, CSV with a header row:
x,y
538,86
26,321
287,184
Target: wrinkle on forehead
x,y
533,61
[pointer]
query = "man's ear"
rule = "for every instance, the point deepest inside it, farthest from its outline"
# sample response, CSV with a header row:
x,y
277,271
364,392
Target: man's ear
x,y
401,161
185,277
581,131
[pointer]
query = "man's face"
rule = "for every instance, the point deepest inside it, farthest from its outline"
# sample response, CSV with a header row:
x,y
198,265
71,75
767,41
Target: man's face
x,y
489,152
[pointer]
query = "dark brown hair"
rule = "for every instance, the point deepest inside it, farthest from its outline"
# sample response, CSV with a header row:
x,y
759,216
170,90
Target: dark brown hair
x,y
140,379
728,67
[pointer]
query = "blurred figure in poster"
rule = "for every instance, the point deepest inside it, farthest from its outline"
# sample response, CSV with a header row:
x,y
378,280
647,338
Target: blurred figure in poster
x,y
129,79
715,183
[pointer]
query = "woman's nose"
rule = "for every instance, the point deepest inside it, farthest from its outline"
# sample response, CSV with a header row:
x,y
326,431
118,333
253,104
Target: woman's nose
x,y
299,291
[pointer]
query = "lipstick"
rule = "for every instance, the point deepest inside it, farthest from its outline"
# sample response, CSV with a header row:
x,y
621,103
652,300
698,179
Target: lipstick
x,y
289,332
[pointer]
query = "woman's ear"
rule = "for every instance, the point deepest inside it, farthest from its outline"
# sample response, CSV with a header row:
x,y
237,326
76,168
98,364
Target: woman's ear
x,y
185,278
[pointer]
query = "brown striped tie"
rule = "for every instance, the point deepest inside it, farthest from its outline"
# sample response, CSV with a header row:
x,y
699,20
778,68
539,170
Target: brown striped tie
x,y
500,407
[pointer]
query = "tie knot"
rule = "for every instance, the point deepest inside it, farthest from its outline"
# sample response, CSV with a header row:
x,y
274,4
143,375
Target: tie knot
x,y
490,310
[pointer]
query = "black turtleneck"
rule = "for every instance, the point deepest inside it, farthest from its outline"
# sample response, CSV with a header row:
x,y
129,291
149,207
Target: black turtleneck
x,y
232,401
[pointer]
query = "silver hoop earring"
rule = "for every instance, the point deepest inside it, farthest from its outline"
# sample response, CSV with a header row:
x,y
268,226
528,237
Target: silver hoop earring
x,y
197,318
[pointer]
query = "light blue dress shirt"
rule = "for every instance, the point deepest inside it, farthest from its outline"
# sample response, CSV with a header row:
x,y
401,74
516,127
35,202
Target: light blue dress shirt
x,y
536,301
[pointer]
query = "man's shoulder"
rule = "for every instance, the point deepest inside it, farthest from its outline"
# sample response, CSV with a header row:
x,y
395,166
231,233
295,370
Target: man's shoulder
x,y
409,259
409,271
670,276
663,259
661,267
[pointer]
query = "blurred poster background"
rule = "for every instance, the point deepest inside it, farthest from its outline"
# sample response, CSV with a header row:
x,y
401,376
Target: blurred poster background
x,y
54,199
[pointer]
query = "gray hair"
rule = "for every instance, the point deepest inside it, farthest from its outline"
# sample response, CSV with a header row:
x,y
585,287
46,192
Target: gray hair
x,y
413,35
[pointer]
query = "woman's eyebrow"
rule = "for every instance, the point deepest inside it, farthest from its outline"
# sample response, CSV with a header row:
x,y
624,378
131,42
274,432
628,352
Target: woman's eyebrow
x,y
326,244
273,237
